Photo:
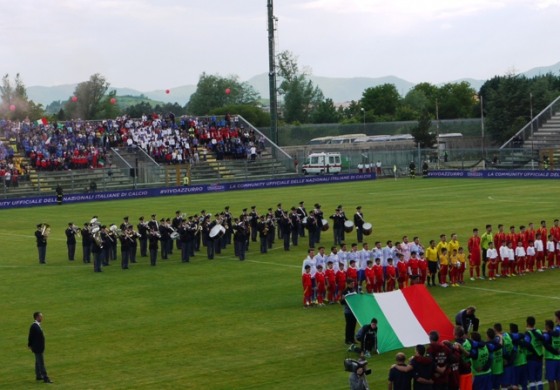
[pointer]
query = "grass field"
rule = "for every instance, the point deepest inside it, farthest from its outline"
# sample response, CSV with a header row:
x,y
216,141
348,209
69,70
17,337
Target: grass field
x,y
225,324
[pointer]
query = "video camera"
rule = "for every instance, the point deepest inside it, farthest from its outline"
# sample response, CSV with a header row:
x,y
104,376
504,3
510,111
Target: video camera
x,y
352,365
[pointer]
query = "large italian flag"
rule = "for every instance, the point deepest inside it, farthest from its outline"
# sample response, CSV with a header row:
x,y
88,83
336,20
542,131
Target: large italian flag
x,y
404,317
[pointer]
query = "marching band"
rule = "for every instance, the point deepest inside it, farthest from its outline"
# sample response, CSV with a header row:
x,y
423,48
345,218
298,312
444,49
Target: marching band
x,y
188,234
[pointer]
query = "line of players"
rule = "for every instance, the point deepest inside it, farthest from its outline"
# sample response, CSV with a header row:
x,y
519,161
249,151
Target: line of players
x,y
497,359
406,263
514,253
215,232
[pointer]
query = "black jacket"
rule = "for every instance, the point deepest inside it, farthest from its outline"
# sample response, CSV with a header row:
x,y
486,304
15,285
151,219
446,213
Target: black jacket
x,y
36,340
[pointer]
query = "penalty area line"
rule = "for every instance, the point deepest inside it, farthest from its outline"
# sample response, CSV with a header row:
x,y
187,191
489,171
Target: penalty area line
x,y
511,292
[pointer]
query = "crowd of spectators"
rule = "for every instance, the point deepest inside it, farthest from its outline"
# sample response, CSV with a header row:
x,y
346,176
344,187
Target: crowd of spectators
x,y
78,144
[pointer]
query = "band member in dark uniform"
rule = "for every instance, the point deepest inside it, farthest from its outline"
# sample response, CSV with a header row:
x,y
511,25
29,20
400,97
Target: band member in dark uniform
x,y
240,238
262,227
203,221
312,228
133,244
193,234
319,218
107,243
342,238
359,223
97,251
183,242
71,241
254,220
285,227
278,215
206,228
295,224
176,222
229,229
302,214
112,233
41,236
338,226
86,244
271,228
143,230
124,224
164,238
153,241
125,248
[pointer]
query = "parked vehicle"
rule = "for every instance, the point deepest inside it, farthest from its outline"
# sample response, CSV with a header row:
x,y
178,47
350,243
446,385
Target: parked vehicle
x,y
322,163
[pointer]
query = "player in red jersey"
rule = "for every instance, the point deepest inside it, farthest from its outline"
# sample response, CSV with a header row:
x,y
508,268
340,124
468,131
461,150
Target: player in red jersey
x,y
499,237
321,285
391,277
402,271
340,281
330,278
370,277
352,273
543,232
377,276
423,267
474,254
413,268
307,286
512,237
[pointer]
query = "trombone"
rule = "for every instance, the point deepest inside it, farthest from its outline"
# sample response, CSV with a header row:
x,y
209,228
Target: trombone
x,y
45,229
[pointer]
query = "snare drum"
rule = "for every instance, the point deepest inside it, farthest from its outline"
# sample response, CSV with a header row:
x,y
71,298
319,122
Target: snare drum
x,y
174,236
348,226
367,229
325,225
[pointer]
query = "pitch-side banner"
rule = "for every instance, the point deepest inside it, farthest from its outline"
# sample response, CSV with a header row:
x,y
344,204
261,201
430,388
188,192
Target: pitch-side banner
x,y
494,174
186,190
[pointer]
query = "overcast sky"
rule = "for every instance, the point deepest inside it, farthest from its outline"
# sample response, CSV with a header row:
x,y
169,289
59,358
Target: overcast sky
x,y
160,44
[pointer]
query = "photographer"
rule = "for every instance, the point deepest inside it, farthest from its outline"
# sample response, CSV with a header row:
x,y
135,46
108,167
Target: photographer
x,y
467,319
348,315
358,369
367,336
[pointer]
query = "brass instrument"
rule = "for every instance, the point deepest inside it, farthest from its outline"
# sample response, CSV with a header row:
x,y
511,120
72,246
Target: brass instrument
x,y
45,229
77,231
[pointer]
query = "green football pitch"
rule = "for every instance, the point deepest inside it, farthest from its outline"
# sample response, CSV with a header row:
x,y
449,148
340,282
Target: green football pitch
x,y
226,324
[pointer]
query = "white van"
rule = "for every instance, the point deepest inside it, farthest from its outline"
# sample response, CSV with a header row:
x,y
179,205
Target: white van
x,y
321,163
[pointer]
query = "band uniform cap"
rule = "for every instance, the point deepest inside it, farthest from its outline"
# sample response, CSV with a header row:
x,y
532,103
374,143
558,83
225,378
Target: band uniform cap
x,y
301,202
358,208
153,215
244,210
39,225
126,218
339,206
253,207
270,209
141,218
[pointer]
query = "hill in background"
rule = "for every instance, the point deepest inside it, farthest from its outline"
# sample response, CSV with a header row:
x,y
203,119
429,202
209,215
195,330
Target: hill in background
x,y
337,88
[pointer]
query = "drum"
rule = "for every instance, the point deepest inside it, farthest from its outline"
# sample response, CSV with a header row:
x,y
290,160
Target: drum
x,y
348,226
174,235
217,231
325,225
367,229
304,221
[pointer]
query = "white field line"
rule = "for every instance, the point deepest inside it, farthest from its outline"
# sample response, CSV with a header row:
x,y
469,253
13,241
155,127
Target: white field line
x,y
511,292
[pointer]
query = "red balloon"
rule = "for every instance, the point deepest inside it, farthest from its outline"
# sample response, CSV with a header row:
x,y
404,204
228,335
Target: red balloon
x,y
74,98
228,91
12,107
113,100
167,91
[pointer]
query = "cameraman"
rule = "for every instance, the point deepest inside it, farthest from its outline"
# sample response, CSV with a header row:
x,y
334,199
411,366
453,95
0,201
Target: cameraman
x,y
357,378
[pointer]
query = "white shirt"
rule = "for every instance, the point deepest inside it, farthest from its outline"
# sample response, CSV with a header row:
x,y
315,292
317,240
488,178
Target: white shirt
x,y
504,252
312,263
531,251
520,251
539,246
491,253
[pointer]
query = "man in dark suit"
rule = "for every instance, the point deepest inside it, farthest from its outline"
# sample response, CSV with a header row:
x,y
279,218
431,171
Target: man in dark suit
x,y
36,343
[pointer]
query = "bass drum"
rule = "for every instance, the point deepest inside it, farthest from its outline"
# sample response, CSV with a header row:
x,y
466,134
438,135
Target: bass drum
x,y
367,229
325,225
174,236
217,231
348,226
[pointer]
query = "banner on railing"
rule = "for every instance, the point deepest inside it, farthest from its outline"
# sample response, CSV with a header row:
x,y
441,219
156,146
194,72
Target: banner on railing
x,y
495,174
196,189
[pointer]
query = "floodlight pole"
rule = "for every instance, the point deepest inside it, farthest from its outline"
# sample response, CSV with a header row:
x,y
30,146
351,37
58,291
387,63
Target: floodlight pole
x,y
532,142
482,130
272,74
437,133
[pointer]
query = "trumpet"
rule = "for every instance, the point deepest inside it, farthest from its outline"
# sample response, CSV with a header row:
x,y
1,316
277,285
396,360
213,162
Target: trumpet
x,y
77,231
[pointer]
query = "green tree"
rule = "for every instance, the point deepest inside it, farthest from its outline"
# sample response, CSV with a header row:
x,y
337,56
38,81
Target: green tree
x,y
211,93
254,115
90,103
14,95
325,112
301,97
382,101
456,100
421,132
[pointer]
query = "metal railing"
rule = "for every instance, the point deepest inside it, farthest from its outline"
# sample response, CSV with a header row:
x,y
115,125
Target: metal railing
x,y
533,126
